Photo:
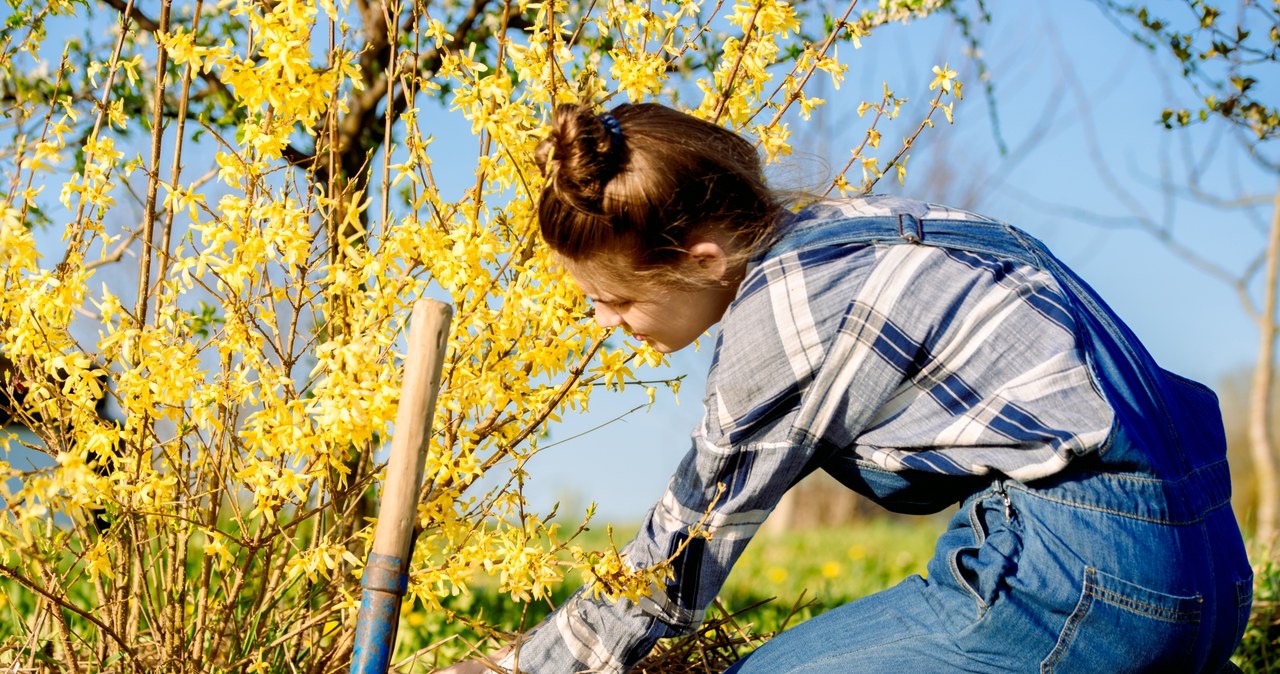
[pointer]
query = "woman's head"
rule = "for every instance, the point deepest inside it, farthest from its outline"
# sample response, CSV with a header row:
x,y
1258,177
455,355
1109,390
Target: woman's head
x,y
630,192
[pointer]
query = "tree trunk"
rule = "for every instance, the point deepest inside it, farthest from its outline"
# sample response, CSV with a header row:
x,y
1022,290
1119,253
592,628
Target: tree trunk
x,y
1260,445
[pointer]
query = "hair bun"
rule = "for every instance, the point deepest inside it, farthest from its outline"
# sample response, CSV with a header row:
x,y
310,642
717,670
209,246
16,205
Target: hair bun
x,y
644,181
580,155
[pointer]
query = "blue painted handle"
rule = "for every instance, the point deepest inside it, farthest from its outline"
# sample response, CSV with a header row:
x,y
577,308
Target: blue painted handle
x,y
384,586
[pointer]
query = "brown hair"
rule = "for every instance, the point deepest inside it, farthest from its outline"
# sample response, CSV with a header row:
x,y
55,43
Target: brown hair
x,y
643,189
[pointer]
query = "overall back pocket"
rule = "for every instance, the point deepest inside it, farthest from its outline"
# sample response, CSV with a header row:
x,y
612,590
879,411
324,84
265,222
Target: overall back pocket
x,y
1121,627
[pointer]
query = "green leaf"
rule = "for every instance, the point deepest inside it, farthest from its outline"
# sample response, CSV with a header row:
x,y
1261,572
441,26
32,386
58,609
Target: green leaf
x,y
1209,16
1242,84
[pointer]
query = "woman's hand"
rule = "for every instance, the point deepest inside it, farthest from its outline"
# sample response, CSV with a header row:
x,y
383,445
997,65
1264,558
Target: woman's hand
x,y
485,664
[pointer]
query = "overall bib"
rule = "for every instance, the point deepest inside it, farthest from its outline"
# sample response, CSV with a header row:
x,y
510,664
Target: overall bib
x,y
1130,560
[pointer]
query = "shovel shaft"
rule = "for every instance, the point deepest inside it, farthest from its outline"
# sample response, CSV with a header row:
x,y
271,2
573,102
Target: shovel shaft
x,y
384,587
386,577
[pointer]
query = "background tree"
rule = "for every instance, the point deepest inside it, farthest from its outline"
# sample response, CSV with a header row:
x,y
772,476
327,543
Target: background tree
x,y
1225,56
248,198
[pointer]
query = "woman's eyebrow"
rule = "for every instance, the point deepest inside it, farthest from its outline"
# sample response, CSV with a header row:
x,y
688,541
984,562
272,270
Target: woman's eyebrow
x,y
609,298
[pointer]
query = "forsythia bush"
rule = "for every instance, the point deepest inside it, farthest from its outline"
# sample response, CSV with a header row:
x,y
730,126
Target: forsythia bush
x,y
212,223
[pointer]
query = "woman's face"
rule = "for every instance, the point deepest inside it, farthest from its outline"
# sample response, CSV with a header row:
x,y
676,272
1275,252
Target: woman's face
x,y
667,318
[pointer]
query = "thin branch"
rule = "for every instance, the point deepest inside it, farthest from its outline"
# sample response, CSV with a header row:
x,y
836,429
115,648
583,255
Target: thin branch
x,y
1139,222
595,428
571,380
152,26
840,25
14,574
737,63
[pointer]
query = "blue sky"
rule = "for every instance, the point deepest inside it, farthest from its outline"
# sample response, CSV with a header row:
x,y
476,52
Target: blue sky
x,y
1078,103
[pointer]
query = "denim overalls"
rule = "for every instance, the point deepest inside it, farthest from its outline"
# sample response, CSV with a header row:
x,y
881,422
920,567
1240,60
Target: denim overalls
x,y
1128,561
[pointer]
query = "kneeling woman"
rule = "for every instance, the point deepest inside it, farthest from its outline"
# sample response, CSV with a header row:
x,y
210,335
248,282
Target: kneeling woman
x,y
925,357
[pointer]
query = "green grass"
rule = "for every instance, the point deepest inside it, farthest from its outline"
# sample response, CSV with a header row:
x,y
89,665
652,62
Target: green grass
x,y
833,566
815,569
1259,653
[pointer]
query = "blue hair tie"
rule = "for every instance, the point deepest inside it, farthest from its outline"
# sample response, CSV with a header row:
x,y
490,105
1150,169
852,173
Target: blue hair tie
x,y
614,128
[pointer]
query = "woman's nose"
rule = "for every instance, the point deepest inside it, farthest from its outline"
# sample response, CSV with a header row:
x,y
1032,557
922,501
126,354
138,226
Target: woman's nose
x,y
606,317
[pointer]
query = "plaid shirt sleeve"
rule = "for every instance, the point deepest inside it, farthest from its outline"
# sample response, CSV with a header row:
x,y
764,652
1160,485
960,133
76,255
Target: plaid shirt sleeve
x,y
832,349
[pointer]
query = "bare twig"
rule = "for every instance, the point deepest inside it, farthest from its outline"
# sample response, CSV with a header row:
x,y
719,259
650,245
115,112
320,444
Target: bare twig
x,y
15,574
727,89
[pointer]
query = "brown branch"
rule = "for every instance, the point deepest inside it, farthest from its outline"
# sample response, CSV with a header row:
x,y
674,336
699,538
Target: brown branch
x,y
907,143
149,214
692,41
573,378
840,24
14,574
1261,397
1139,217
321,616
570,382
462,36
152,26
75,237
866,138
134,14
737,63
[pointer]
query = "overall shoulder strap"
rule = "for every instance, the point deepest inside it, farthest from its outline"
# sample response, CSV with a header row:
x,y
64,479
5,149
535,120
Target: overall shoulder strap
x,y
897,220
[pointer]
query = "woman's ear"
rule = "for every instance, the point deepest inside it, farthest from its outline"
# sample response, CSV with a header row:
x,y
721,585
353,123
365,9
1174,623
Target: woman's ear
x,y
710,262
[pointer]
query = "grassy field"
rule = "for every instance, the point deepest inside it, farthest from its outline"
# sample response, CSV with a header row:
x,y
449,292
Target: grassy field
x,y
812,570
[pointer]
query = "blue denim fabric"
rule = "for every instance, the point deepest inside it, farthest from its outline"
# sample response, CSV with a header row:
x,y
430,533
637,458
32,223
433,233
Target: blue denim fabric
x,y
1129,561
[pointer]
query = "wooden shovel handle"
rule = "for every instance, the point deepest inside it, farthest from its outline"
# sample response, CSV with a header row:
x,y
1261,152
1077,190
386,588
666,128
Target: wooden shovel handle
x,y
428,339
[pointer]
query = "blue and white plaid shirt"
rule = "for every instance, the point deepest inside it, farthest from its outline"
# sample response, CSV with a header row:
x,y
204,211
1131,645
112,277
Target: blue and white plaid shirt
x,y
901,358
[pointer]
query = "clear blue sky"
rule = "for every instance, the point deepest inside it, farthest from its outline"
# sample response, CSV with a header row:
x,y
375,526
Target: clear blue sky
x,y
1078,102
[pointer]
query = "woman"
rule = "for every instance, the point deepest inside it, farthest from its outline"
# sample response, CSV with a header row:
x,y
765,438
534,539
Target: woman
x,y
925,357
